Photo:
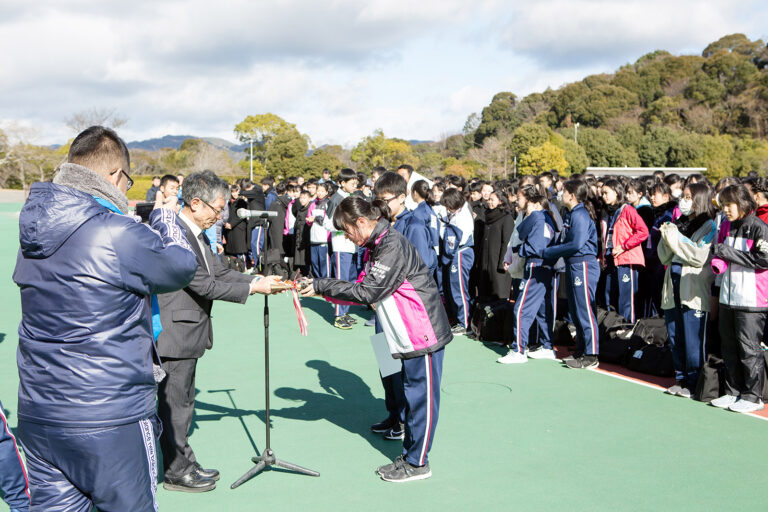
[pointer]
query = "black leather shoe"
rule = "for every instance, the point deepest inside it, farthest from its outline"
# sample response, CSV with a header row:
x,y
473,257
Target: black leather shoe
x,y
191,482
213,474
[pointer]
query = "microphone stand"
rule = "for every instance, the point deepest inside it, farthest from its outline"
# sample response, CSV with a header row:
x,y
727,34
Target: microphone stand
x,y
268,459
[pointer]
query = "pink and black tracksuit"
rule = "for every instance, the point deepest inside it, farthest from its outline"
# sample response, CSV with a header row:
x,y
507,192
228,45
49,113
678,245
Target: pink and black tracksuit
x,y
741,257
409,309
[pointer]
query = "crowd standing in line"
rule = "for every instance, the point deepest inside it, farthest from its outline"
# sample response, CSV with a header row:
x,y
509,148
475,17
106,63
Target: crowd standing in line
x,y
424,253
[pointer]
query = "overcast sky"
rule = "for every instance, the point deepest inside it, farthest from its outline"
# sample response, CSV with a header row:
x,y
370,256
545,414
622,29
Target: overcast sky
x,y
338,69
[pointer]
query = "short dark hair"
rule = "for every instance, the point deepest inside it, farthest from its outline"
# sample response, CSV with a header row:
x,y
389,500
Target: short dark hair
x,y
407,167
637,185
168,177
390,183
378,170
453,199
659,188
268,181
326,171
99,149
205,186
347,174
739,195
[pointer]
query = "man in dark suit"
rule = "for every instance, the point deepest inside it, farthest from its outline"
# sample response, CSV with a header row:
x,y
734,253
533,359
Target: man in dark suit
x,y
188,331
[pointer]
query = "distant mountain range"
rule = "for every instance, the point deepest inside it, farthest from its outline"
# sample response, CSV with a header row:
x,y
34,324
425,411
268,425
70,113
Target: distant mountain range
x,y
174,142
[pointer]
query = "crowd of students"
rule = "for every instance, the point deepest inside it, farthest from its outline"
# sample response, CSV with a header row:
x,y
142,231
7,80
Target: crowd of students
x,y
685,249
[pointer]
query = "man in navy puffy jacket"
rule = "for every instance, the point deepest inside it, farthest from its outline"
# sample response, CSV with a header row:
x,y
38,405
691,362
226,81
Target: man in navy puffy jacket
x,y
87,362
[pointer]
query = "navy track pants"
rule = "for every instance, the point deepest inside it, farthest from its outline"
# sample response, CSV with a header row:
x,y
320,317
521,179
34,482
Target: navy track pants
x,y
73,469
534,291
344,269
421,382
620,290
320,259
581,278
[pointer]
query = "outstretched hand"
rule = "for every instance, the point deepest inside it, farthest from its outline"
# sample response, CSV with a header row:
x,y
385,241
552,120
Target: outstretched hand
x,y
264,285
307,289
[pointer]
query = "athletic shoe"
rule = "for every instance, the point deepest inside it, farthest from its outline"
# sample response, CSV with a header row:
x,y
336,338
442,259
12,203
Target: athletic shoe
x,y
341,323
685,393
745,406
674,390
724,401
349,319
386,468
459,330
191,482
382,426
542,353
571,357
513,357
395,432
406,473
584,362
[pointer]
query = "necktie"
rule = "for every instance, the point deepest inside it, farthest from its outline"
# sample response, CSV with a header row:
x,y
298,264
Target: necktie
x,y
206,248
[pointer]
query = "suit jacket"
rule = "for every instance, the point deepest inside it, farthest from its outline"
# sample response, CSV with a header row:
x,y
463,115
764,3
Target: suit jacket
x,y
186,314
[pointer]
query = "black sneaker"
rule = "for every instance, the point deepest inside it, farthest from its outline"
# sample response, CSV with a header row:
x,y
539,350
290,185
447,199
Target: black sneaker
x,y
382,426
349,319
341,323
395,432
571,357
584,362
405,472
386,468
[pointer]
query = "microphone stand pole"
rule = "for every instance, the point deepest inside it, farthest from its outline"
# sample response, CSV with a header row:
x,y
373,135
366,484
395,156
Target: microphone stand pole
x,y
268,459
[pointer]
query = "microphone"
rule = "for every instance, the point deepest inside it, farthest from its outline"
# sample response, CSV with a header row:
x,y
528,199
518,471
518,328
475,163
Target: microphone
x,y
254,214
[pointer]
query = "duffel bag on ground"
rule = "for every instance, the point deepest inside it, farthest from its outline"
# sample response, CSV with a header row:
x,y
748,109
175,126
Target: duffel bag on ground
x,y
652,331
653,360
618,346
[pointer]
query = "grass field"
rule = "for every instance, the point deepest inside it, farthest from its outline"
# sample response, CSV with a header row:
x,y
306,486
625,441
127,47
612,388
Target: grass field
x,y
533,437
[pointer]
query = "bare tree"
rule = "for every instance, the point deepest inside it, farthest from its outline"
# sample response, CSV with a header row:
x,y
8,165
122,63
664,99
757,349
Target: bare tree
x,y
108,117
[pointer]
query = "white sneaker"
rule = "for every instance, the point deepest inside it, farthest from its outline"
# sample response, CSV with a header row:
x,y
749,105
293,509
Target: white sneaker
x,y
513,358
542,353
746,406
674,390
685,393
724,401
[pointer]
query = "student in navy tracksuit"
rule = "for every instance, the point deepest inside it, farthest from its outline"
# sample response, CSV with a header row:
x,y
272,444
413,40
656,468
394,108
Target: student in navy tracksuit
x,y
421,193
457,257
623,233
536,232
13,476
662,212
392,189
582,270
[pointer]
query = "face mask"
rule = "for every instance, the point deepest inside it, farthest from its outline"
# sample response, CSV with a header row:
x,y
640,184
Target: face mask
x,y
686,206
560,196
677,193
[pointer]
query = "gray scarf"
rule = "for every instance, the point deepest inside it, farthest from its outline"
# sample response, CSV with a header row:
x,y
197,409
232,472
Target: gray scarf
x,y
85,180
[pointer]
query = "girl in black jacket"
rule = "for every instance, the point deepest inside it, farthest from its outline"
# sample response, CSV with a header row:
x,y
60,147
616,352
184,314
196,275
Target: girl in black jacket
x,y
494,281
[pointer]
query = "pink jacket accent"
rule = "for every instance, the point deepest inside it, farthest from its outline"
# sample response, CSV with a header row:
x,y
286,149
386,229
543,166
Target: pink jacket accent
x,y
629,233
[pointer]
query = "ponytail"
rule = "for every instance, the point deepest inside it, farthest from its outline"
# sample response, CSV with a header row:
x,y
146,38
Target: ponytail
x,y
583,194
352,208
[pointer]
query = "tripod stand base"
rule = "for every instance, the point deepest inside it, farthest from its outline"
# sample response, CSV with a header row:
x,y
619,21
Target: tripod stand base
x,y
266,461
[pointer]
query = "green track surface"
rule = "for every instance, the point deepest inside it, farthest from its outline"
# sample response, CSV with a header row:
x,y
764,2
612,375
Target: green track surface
x,y
530,437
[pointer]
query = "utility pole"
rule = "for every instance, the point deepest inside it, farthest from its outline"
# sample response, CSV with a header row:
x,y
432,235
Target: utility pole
x,y
251,141
515,175
576,133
